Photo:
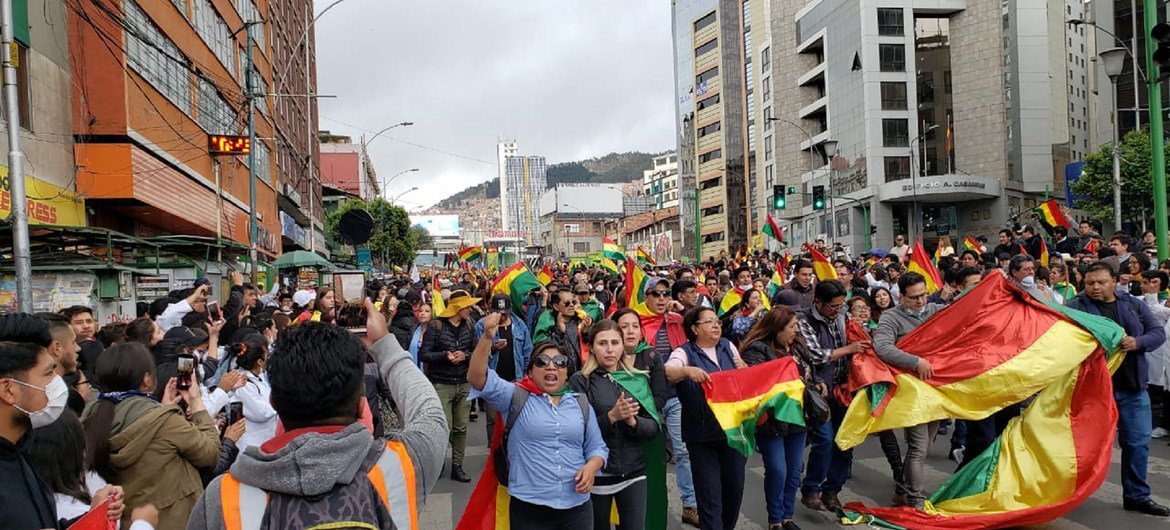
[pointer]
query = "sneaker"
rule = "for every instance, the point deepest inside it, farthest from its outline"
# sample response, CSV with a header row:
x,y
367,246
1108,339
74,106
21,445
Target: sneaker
x,y
1159,433
458,475
690,515
1147,506
789,525
812,501
831,502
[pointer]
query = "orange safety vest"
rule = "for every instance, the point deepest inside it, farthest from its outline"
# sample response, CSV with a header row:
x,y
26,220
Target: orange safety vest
x,y
393,478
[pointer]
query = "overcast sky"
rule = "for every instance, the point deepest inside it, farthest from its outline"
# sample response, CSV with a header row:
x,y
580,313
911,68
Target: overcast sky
x,y
568,79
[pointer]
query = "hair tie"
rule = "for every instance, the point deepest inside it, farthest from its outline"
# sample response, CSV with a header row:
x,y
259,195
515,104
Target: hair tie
x,y
243,348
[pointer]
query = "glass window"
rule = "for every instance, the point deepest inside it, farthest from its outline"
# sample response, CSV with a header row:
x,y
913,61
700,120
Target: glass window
x,y
250,13
893,95
153,56
263,161
897,168
893,57
706,47
714,155
707,102
216,116
889,21
895,132
765,59
711,128
702,78
711,183
714,210
767,85
767,151
767,118
215,33
705,21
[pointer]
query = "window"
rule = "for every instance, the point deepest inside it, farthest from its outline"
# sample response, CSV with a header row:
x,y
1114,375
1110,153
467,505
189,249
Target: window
x,y
767,118
215,33
714,210
715,155
711,183
765,59
705,21
263,160
889,20
708,46
895,132
768,150
250,13
710,128
713,237
702,78
897,168
216,116
892,57
767,85
893,95
707,102
153,56
580,247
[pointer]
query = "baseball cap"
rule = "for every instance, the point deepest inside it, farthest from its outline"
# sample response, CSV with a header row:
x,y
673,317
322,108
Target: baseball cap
x,y
184,336
303,297
500,302
654,282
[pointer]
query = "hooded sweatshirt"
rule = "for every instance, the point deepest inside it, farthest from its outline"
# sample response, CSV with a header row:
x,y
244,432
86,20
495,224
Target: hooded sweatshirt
x,y
315,462
155,451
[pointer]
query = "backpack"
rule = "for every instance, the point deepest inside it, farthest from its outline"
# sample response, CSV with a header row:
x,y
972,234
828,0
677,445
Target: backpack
x,y
386,495
519,398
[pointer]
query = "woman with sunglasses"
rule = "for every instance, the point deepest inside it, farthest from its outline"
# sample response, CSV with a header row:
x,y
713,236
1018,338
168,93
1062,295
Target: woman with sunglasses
x,y
781,444
555,447
623,404
716,468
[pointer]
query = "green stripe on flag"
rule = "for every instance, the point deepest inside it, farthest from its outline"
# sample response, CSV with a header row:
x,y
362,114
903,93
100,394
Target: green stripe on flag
x,y
973,479
779,407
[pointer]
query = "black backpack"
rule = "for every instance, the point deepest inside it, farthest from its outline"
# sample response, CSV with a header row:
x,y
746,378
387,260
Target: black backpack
x,y
519,398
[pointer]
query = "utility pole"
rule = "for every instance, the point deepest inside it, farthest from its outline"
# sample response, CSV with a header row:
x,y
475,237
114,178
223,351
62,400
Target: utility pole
x,y
20,244
1150,12
309,134
250,86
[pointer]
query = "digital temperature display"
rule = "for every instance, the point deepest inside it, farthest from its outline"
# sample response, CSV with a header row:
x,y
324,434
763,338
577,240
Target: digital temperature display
x,y
219,144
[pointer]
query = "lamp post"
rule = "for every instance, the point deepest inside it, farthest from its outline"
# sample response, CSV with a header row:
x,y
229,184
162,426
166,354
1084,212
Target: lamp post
x,y
826,146
379,133
829,149
386,183
1113,60
917,219
399,196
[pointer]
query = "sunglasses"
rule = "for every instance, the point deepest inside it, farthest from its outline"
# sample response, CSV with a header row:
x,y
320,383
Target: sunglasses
x,y
659,294
542,361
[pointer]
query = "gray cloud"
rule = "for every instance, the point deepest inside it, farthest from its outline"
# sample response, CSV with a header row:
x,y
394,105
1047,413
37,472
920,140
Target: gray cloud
x,y
566,79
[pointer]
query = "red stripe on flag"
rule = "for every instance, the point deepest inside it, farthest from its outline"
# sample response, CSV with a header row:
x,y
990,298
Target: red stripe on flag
x,y
731,386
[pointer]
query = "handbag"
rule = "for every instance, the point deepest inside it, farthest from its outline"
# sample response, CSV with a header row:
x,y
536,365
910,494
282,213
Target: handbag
x,y
816,407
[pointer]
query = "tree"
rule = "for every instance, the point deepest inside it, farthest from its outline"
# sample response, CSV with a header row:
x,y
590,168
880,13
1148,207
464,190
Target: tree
x,y
394,242
423,239
1095,187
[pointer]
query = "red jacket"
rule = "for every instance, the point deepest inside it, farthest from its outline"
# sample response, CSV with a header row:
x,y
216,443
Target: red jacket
x,y
674,329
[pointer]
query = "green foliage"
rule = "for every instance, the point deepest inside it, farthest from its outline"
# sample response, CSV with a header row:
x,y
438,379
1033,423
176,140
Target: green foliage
x,y
422,238
1095,187
394,241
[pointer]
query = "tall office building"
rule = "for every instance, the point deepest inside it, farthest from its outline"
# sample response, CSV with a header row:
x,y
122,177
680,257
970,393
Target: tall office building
x,y
661,182
505,149
521,186
874,102
683,15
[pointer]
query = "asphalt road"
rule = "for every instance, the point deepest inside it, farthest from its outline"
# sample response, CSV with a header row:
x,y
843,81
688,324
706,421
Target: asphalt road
x,y
870,484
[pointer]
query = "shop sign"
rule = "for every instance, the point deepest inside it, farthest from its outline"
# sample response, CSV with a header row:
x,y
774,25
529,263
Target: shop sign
x,y
46,204
947,185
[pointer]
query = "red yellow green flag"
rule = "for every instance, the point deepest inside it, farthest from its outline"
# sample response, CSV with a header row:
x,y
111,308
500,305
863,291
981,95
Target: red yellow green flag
x,y
972,244
743,398
635,288
824,269
731,299
1043,253
1051,215
545,276
771,229
921,264
1047,461
610,249
645,256
516,282
471,253
437,304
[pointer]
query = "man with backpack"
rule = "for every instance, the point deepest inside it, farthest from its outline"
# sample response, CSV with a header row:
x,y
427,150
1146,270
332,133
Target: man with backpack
x,y
327,467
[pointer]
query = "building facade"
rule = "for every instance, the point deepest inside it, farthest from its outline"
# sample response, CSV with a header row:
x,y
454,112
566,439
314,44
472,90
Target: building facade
x,y
505,149
524,181
346,165
152,80
871,101
661,182
573,216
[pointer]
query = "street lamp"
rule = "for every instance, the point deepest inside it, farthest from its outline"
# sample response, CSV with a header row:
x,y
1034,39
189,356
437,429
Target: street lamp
x,y
829,149
386,183
1113,60
379,133
399,196
916,222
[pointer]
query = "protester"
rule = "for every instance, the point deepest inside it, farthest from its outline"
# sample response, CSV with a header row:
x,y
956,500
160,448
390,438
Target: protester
x,y
554,447
510,352
251,354
746,314
642,357
801,284
625,423
562,325
716,468
445,348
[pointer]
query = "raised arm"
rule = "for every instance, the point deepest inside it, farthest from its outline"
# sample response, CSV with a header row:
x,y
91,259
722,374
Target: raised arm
x,y
478,367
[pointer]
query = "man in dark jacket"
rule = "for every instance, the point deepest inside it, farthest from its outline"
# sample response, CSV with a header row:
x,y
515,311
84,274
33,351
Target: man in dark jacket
x,y
446,348
405,320
801,284
1143,333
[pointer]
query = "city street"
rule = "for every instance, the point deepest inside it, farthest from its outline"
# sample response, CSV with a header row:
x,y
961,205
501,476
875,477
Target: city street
x,y
870,484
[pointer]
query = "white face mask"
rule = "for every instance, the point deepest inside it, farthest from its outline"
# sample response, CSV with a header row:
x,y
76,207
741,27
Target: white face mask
x,y
57,392
1028,281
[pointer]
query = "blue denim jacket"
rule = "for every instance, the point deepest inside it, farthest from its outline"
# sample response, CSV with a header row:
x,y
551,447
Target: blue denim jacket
x,y
521,345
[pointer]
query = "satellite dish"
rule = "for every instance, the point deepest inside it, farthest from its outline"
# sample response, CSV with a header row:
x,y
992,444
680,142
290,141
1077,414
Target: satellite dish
x,y
356,226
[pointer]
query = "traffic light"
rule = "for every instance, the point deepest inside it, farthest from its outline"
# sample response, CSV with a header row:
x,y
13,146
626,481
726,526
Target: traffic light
x,y
818,198
1160,33
779,200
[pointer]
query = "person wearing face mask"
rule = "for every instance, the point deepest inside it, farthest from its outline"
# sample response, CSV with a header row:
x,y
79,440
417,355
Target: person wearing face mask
x,y
624,407
152,449
895,324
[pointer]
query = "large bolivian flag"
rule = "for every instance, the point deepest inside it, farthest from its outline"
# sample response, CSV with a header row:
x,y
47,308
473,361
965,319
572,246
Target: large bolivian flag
x,y
994,347
744,398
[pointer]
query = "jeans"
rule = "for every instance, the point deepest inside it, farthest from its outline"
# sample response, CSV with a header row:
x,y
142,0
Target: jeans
x,y
456,408
893,452
528,516
828,465
631,507
1133,435
718,472
672,416
918,440
783,458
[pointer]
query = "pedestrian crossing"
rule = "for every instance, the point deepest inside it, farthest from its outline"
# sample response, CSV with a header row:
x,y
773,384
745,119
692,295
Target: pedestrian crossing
x,y
870,484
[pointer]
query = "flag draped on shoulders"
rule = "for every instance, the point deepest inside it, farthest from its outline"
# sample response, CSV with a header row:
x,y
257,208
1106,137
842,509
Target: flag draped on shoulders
x,y
637,386
515,282
821,265
743,398
921,264
1047,461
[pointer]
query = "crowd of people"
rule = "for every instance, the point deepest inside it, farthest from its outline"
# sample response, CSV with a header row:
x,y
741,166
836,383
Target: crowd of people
x,y
268,410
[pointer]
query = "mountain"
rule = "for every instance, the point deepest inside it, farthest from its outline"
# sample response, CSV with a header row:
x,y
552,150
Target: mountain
x,y
613,168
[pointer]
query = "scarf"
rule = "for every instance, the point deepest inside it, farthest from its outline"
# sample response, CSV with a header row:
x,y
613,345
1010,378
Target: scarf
x,y
530,386
118,397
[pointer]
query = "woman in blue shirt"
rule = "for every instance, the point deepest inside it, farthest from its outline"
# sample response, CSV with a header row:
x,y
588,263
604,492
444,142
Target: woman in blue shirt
x,y
555,448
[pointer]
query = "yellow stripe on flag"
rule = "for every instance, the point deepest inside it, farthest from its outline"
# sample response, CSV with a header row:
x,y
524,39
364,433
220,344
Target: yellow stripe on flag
x,y
732,414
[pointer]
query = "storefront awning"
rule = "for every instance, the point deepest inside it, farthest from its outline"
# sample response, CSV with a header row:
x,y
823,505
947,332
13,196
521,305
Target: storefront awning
x,y
84,248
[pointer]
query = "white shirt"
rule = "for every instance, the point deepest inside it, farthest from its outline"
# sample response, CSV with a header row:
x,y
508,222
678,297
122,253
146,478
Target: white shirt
x,y
259,417
172,316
